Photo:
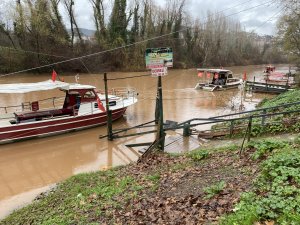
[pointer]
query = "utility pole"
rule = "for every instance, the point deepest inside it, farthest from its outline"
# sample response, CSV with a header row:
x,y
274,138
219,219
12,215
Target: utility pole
x,y
160,135
108,112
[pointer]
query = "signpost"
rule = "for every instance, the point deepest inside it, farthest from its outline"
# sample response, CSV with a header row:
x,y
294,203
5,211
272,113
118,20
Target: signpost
x,y
159,57
160,71
158,60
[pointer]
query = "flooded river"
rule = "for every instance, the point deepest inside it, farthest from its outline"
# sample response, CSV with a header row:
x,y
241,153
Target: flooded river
x,y
30,167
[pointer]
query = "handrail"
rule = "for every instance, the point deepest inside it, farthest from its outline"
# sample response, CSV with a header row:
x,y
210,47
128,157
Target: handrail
x,y
257,110
180,126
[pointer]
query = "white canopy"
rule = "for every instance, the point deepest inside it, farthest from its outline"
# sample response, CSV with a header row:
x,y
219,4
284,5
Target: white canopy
x,y
213,70
30,87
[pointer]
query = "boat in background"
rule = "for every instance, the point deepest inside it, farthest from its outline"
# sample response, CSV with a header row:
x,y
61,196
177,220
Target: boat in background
x,y
260,87
218,79
269,69
278,77
82,107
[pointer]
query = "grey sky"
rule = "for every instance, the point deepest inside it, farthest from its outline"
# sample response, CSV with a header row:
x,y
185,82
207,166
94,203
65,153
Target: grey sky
x,y
251,19
254,19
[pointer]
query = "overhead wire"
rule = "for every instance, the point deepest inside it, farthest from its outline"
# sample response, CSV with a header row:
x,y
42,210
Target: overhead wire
x,y
271,18
97,53
45,54
123,46
169,78
123,78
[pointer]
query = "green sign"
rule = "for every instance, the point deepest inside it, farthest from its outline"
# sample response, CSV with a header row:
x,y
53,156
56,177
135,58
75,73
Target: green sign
x,y
159,57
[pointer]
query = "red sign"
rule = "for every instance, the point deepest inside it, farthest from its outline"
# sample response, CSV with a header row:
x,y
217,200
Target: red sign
x,y
35,106
162,71
200,74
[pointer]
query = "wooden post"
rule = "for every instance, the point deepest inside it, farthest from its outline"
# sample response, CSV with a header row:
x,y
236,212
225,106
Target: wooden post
x,y
108,112
160,136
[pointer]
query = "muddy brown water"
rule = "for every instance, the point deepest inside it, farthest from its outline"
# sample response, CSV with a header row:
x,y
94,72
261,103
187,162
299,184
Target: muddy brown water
x,y
29,167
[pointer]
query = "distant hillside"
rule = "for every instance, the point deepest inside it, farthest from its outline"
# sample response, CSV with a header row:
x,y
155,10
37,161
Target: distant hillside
x,y
85,32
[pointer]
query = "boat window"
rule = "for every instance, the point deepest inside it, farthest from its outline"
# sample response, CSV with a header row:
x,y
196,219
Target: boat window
x,y
74,93
229,75
89,94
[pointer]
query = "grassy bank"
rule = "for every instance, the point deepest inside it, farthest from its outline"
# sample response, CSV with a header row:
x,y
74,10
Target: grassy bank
x,y
204,187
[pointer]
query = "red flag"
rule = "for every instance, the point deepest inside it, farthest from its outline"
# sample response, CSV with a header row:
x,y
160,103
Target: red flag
x,y
216,76
200,74
208,75
100,105
54,75
245,76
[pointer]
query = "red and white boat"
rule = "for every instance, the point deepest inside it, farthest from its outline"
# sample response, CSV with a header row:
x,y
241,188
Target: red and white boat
x,y
81,108
281,77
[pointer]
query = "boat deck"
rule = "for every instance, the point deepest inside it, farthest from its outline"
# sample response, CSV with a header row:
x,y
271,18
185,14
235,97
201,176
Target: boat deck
x,y
7,116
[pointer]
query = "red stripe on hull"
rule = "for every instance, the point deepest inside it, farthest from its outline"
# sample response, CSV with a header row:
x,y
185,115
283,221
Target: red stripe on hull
x,y
54,126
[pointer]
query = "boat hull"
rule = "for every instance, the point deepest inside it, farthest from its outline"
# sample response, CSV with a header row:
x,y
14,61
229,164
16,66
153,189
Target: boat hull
x,y
211,87
54,126
267,88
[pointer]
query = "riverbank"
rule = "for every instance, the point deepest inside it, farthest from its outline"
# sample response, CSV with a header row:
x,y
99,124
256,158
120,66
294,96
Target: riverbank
x,y
173,181
205,186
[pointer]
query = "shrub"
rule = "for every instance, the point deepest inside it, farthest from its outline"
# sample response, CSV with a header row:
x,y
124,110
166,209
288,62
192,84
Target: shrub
x,y
214,189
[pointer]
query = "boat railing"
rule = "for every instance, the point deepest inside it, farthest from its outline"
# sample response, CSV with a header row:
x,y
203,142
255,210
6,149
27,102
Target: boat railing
x,y
122,92
44,104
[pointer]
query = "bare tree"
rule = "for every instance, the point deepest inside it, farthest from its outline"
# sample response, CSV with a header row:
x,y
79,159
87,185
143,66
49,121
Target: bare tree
x,y
69,5
99,19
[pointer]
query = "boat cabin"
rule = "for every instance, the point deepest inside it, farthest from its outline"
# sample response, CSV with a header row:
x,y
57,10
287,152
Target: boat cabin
x,y
216,76
269,69
76,97
75,103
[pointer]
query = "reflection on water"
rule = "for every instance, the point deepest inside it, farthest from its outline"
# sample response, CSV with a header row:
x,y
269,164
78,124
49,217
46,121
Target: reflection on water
x,y
27,167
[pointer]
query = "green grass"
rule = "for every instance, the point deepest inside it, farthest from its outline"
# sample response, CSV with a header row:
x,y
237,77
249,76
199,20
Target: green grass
x,y
88,198
214,189
200,154
76,198
284,98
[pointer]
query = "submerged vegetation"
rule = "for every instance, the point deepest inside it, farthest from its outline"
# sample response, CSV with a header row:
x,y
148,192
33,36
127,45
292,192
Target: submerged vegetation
x,y
35,34
270,124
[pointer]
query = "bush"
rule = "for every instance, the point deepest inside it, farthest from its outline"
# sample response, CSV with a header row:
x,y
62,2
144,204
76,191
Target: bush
x,y
214,189
265,146
276,196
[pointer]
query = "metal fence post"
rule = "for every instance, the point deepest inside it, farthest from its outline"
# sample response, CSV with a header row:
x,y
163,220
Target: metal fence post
x,y
231,128
263,118
250,128
186,130
108,112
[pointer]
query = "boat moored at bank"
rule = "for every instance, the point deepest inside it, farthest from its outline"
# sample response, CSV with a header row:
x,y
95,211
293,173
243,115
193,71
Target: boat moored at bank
x,y
82,107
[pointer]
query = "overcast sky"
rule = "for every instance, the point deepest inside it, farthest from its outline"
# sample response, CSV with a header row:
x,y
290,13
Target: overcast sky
x,y
261,19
